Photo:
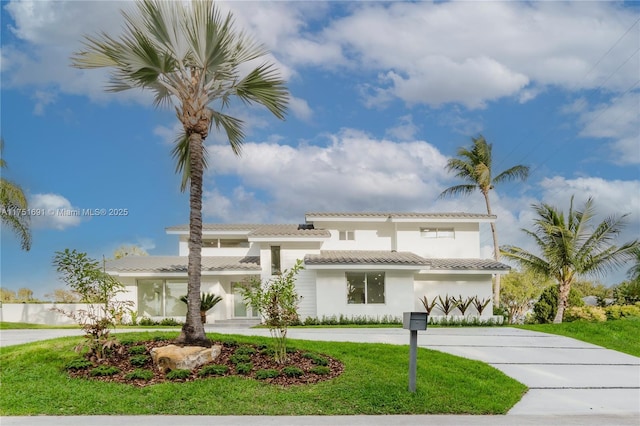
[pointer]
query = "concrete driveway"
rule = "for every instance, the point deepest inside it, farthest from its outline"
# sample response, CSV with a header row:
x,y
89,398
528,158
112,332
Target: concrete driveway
x,y
570,382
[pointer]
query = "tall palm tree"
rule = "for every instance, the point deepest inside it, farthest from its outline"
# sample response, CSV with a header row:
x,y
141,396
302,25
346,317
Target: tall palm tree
x,y
634,272
569,247
474,166
189,56
13,202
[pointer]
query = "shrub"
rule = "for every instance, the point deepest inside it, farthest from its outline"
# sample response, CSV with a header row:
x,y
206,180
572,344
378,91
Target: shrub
x,y
178,374
146,321
446,305
139,374
78,364
244,367
245,350
229,343
269,373
139,360
268,351
615,312
213,370
292,372
104,370
320,370
585,313
627,292
546,307
138,350
316,359
169,322
311,321
239,358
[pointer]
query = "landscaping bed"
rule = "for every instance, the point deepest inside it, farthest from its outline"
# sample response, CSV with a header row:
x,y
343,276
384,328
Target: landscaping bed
x,y
131,364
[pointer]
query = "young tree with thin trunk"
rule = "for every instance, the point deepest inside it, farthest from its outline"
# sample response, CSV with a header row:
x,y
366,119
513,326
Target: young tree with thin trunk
x,y
192,57
570,247
474,166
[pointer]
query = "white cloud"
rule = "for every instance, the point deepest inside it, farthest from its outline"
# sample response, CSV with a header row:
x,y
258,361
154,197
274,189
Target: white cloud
x,y
55,212
300,108
619,121
405,130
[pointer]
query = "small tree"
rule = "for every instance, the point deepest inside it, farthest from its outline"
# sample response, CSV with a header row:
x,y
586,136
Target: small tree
x,y
60,295
84,276
546,307
207,301
277,301
519,291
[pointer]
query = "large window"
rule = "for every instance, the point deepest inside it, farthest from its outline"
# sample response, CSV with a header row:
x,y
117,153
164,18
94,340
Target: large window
x,y
365,287
276,268
160,298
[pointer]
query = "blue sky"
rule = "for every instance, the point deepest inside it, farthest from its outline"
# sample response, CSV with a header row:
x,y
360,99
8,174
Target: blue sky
x,y
382,95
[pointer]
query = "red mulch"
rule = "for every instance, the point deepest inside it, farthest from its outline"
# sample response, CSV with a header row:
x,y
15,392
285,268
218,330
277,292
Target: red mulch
x,y
121,359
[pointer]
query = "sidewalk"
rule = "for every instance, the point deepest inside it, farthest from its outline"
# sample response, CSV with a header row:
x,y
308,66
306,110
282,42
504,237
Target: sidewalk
x,y
570,382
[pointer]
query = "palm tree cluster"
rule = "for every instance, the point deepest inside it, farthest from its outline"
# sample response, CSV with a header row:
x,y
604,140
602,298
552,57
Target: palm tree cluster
x,y
570,247
191,57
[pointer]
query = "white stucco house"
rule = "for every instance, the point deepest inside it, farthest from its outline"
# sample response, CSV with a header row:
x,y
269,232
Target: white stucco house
x,y
356,264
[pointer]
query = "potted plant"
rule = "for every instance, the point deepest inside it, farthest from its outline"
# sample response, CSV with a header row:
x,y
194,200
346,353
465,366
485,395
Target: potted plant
x,y
207,301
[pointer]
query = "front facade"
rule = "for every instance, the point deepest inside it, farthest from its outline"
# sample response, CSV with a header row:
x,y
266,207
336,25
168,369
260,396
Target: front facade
x,y
355,264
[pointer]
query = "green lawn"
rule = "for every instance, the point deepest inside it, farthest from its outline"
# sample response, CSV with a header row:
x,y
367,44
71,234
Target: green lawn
x,y
375,381
25,325
620,335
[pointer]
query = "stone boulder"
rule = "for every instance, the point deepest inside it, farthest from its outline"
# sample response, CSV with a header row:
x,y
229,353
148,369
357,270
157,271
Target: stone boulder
x,y
174,357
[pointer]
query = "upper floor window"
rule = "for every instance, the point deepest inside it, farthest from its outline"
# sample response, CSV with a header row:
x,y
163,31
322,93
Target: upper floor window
x,y
437,233
226,242
347,235
365,287
276,268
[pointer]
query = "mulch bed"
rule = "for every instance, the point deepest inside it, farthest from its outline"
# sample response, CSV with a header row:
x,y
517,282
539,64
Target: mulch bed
x,y
261,360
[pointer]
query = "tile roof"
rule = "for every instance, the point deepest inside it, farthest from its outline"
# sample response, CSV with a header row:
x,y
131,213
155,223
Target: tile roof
x,y
179,264
258,230
401,215
466,264
360,257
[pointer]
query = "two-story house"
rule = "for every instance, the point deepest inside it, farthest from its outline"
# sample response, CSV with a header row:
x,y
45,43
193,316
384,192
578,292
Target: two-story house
x,y
355,264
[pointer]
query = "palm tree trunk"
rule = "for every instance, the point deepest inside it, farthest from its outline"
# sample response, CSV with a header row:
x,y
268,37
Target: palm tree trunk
x,y
193,329
496,254
563,296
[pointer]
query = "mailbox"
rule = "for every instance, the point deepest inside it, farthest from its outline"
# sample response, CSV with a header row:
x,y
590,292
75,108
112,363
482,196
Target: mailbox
x,y
414,320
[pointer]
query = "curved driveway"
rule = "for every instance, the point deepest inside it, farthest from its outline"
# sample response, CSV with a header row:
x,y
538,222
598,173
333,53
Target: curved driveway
x,y
570,382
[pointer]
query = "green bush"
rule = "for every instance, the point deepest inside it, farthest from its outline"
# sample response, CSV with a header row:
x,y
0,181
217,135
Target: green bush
x,y
239,358
292,372
229,343
78,364
585,313
146,321
169,322
178,374
546,307
268,351
245,350
320,370
316,359
138,350
615,312
139,360
139,374
104,370
244,367
267,374
627,292
214,370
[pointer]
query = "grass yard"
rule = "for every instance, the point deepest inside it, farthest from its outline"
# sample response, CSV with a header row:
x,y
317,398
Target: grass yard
x,y
620,335
374,381
27,326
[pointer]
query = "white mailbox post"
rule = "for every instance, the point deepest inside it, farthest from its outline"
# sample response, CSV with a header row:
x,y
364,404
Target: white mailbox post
x,y
413,321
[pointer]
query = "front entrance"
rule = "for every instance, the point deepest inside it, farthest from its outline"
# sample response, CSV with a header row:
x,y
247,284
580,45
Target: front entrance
x,y
240,310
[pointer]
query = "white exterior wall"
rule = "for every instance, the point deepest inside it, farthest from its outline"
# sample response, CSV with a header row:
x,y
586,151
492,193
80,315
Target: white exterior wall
x,y
465,244
306,288
331,291
39,313
433,285
368,236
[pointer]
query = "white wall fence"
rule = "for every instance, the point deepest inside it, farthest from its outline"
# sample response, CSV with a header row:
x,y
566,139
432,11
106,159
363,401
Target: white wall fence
x,y
40,313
